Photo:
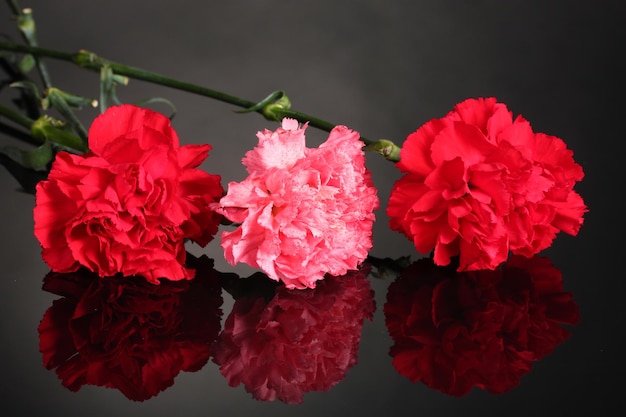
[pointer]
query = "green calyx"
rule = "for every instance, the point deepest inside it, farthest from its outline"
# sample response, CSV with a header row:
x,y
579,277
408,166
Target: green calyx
x,y
271,107
386,148
47,128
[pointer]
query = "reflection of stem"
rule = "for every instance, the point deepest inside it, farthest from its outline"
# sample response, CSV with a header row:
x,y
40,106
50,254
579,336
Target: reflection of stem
x,y
388,267
255,286
93,62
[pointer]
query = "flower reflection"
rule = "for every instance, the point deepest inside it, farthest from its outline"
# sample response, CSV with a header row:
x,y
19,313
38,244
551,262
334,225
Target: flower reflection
x,y
282,343
127,334
456,331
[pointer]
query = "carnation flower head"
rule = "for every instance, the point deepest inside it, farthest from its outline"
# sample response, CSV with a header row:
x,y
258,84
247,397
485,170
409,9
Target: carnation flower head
x,y
303,212
127,205
479,184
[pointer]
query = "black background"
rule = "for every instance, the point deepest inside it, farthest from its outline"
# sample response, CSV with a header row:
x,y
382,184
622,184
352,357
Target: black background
x,y
383,69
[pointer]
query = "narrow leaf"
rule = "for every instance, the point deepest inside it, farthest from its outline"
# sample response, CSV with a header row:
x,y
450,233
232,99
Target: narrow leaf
x,y
26,64
27,178
271,98
37,158
144,103
28,86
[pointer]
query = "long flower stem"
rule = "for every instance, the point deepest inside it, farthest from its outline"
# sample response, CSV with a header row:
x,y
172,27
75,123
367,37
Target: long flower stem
x,y
16,117
42,130
16,133
26,25
91,61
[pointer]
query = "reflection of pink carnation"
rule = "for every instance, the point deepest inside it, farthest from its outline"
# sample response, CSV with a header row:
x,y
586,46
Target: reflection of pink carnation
x,y
300,341
303,212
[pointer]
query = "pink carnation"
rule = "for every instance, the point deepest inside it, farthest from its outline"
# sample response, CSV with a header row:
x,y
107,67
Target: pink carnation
x,y
302,212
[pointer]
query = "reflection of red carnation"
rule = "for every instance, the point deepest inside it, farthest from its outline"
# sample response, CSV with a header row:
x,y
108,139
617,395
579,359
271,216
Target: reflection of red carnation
x,y
127,334
455,331
299,341
479,184
128,204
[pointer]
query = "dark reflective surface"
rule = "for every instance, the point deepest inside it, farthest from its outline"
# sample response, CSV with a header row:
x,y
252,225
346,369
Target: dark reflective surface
x,y
127,334
382,68
280,344
481,329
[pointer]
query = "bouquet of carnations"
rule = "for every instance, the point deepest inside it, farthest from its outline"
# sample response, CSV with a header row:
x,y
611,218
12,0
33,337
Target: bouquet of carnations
x,y
124,195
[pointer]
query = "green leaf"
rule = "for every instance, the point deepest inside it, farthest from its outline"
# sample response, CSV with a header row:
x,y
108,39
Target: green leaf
x,y
54,95
29,86
27,178
144,103
26,64
37,158
271,98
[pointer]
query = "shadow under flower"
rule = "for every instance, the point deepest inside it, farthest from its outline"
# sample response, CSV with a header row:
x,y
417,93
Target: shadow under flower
x,y
281,343
456,331
128,334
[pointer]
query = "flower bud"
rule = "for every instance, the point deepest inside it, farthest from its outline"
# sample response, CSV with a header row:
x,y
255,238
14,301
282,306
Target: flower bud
x,y
26,25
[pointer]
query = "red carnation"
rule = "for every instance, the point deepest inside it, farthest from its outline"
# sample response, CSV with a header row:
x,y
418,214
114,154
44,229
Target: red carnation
x,y
127,334
479,184
127,205
298,341
456,331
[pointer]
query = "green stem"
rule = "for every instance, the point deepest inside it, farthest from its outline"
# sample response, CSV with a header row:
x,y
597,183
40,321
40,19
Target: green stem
x,y
42,130
18,134
91,61
14,6
30,102
35,50
16,117
58,101
314,121
26,25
